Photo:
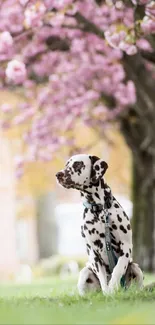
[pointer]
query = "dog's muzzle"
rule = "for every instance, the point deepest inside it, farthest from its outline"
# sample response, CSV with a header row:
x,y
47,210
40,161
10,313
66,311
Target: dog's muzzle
x,y
64,179
60,176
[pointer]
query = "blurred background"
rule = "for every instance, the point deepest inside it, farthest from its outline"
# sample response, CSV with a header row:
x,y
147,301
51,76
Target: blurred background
x,y
40,221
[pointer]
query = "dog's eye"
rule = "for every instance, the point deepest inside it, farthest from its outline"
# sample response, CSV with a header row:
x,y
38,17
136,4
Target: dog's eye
x,y
77,166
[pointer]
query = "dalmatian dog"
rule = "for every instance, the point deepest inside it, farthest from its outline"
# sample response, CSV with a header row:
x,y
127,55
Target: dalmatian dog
x,y
85,173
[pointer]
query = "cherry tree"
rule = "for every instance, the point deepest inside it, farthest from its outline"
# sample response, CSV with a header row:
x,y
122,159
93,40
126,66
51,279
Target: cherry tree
x,y
89,60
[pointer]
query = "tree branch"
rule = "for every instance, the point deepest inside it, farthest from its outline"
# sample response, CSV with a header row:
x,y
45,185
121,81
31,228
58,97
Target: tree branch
x,y
87,26
53,43
149,56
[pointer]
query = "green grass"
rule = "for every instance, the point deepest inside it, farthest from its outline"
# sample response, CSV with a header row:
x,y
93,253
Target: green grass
x,y
55,301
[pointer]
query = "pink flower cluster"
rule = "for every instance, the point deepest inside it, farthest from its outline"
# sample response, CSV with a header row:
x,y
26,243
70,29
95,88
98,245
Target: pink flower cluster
x,y
16,72
6,46
60,46
119,40
34,15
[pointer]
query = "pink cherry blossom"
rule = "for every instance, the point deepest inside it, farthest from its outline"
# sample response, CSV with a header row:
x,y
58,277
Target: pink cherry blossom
x,y
132,50
11,17
6,41
6,108
22,118
61,4
33,15
67,56
23,2
113,39
16,71
144,45
148,25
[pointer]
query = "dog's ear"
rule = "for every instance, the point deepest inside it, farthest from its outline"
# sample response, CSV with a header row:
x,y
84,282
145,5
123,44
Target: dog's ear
x,y
99,168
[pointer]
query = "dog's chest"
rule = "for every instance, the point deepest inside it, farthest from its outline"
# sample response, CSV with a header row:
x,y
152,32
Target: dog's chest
x,y
93,230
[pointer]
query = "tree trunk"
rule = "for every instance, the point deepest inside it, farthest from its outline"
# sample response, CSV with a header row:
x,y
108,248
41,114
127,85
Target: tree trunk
x,y
138,128
143,222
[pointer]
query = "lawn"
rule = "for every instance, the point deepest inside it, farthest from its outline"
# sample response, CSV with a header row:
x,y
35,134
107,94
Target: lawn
x,y
55,301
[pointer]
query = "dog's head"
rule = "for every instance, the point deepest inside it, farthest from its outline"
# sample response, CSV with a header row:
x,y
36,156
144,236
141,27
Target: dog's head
x,y
82,171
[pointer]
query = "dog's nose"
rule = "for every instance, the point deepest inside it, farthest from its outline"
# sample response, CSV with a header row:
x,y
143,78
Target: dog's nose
x,y
60,175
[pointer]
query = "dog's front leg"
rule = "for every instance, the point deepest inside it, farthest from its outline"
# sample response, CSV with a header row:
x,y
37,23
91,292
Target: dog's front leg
x,y
121,266
117,273
101,273
102,276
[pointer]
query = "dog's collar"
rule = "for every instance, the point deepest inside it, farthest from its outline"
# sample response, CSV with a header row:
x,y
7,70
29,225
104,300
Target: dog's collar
x,y
95,207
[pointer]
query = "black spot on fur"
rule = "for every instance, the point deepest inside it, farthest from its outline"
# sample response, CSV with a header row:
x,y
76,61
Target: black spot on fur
x,y
96,194
89,280
112,235
90,222
114,226
82,233
97,167
104,165
108,201
102,235
85,212
98,243
96,259
92,231
96,265
123,229
125,215
78,166
116,205
85,227
88,246
130,250
117,250
128,227
102,183
121,252
127,255
113,242
119,218
97,183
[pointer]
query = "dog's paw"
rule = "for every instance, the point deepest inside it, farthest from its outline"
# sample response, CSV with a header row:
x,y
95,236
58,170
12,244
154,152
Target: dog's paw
x,y
113,287
105,291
